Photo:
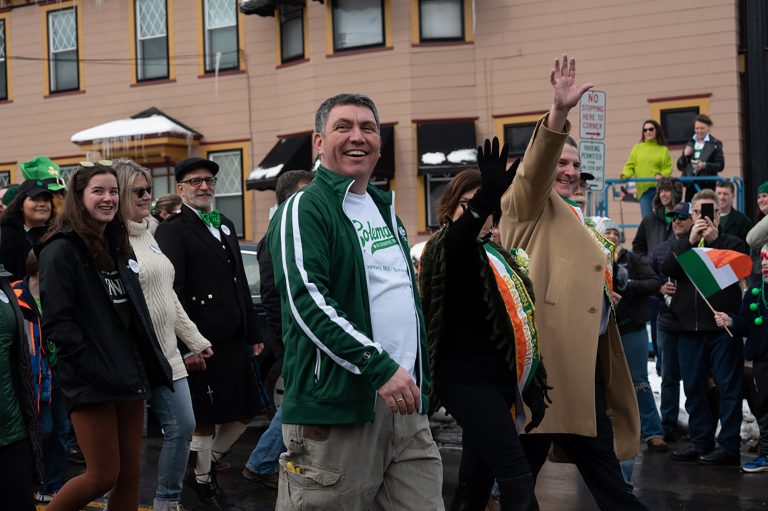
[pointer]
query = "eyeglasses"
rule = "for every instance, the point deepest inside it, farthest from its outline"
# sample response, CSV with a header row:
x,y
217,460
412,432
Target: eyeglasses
x,y
648,129
198,181
679,218
141,191
89,164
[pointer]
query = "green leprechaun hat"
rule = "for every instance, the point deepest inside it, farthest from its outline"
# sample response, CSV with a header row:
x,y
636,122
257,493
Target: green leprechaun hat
x,y
43,169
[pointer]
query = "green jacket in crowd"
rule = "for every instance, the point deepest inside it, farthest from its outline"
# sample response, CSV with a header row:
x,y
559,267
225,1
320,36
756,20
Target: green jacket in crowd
x,y
332,366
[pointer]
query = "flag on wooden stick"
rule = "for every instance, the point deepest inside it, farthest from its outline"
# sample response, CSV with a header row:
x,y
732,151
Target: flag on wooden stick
x,y
712,270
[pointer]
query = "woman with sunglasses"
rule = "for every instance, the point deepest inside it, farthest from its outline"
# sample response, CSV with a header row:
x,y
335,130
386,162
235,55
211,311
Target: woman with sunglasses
x,y
478,308
649,158
156,273
25,219
109,356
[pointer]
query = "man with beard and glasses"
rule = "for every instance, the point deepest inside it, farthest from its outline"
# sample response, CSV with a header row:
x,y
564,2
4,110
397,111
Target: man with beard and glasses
x,y
211,284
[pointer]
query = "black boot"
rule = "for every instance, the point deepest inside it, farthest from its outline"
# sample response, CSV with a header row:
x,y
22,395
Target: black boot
x,y
470,496
204,496
517,494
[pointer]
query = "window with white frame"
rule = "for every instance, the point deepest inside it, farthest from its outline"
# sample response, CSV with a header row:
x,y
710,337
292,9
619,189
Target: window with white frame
x,y
357,24
435,185
221,44
3,64
291,33
62,50
151,39
229,186
441,20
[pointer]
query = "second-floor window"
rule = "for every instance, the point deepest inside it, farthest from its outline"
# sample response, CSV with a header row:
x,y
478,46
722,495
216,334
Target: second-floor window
x,y
441,20
357,24
221,45
151,39
62,50
291,33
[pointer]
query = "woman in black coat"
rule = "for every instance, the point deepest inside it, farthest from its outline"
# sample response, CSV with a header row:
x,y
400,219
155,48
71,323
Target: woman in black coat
x,y
478,310
109,357
25,219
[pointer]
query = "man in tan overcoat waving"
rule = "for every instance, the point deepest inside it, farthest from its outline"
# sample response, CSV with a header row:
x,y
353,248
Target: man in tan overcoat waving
x,y
593,419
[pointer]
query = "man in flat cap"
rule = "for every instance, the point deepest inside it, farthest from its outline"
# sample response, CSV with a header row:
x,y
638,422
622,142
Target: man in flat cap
x,y
211,284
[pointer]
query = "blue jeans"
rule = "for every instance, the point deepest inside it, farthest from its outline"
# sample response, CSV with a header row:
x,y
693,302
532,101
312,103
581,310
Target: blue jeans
x,y
636,350
264,457
174,411
54,428
670,381
646,202
702,353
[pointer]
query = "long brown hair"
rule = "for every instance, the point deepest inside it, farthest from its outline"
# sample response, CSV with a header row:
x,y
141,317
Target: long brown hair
x,y
463,182
74,216
660,138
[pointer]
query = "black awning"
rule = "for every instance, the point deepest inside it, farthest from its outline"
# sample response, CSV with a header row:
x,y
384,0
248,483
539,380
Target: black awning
x,y
385,167
446,147
289,153
266,7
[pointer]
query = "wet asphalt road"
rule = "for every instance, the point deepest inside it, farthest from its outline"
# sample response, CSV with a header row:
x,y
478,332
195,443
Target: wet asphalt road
x,y
659,483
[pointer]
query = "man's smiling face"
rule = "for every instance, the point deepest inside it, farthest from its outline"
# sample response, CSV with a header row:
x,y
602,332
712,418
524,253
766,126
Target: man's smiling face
x,y
567,177
350,143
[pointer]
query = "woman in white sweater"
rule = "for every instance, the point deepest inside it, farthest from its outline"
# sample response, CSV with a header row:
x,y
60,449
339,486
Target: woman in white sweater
x,y
156,273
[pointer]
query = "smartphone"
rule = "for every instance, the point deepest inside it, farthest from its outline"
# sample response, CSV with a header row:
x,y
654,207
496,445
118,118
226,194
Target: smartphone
x,y
708,210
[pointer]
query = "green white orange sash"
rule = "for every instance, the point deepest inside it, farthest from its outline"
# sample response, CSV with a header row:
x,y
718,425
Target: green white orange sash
x,y
605,245
519,306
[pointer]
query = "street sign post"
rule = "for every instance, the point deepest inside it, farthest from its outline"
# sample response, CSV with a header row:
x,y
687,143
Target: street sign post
x,y
592,115
592,154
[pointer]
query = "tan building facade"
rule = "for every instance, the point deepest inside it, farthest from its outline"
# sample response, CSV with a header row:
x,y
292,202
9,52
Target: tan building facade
x,y
444,74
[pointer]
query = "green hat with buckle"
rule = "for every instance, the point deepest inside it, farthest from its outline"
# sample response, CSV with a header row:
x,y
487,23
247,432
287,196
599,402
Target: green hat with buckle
x,y
45,170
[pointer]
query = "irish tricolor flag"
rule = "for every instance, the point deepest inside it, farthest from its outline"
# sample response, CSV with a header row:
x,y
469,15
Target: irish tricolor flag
x,y
711,269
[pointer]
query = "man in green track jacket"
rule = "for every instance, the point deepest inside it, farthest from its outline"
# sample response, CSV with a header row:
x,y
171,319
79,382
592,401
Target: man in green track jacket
x,y
356,366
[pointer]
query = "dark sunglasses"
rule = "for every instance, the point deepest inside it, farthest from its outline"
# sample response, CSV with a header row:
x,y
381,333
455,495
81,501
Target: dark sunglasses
x,y
649,129
679,217
141,191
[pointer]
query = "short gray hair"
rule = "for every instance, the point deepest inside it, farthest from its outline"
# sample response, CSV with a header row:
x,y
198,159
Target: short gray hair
x,y
704,194
321,116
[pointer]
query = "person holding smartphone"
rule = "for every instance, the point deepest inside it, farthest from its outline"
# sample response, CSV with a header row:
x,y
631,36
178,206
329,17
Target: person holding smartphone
x,y
703,347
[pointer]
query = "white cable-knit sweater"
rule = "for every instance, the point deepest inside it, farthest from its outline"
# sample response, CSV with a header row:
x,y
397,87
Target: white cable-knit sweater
x,y
156,275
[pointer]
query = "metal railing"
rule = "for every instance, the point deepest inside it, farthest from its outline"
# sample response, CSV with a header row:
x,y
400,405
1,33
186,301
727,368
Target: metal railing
x,y
602,199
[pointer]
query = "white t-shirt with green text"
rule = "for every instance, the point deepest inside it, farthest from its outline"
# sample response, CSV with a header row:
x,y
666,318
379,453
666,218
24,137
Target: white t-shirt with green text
x,y
393,311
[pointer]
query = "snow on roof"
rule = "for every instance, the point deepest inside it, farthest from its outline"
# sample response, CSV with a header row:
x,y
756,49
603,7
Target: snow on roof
x,y
142,127
432,158
262,173
462,156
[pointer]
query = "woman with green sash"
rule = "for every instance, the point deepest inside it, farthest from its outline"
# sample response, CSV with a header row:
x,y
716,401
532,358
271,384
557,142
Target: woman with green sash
x,y
478,306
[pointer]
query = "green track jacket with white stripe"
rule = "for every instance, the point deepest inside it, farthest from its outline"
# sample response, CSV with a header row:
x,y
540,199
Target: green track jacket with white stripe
x,y
332,366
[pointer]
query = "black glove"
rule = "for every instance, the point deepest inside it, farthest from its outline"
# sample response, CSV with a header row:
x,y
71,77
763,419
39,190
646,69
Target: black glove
x,y
495,177
536,397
